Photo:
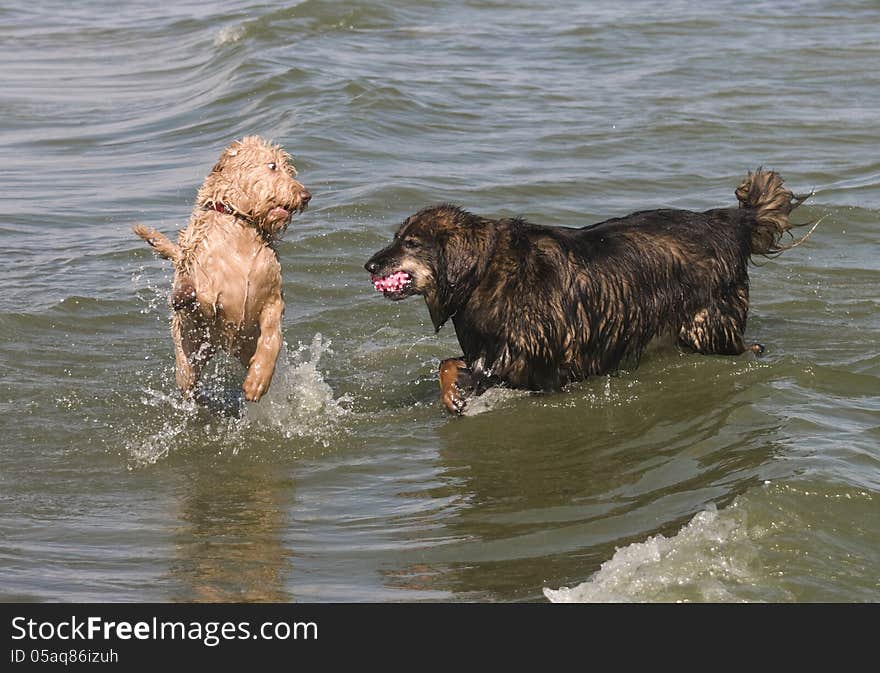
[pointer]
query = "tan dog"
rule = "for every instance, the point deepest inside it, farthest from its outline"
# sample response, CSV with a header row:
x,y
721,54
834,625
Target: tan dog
x,y
227,277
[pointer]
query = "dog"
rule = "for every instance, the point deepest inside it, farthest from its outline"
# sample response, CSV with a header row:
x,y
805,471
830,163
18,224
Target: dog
x,y
536,307
226,293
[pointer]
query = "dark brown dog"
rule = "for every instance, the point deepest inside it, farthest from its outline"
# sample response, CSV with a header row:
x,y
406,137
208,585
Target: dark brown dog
x,y
536,307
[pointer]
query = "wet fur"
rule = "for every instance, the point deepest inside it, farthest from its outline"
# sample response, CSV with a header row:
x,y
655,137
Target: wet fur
x,y
536,307
227,277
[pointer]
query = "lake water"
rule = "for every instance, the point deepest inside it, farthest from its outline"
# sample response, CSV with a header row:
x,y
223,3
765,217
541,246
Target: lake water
x,y
690,478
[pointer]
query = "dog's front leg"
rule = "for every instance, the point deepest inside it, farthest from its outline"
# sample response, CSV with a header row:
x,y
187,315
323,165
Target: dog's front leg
x,y
262,364
456,384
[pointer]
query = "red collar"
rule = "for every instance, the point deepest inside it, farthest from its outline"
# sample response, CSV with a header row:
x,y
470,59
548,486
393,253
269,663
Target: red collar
x,y
229,210
219,207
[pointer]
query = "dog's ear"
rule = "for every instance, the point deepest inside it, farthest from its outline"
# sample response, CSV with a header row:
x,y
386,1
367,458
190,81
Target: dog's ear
x,y
466,246
467,250
438,311
220,185
222,162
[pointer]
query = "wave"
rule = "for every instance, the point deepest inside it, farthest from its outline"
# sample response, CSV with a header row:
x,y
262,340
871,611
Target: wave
x,y
711,556
751,550
308,17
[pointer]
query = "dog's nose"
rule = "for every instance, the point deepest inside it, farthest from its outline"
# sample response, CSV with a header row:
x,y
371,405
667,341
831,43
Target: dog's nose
x,y
371,266
305,197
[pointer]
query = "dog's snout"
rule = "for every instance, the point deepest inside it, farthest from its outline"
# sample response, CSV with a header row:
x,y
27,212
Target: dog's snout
x,y
371,266
305,196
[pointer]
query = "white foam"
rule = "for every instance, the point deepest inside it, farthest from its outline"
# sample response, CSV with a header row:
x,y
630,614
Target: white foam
x,y
492,399
713,558
229,35
499,396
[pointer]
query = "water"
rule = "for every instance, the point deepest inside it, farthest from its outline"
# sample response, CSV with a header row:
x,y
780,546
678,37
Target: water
x,y
689,478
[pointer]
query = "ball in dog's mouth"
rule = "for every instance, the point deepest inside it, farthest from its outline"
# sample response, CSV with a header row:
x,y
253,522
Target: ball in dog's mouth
x,y
392,284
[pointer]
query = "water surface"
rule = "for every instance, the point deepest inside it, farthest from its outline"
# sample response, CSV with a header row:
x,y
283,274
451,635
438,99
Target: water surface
x,y
689,478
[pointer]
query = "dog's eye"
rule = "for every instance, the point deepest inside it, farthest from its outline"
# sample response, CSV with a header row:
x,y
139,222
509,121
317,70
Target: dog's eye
x,y
410,243
272,165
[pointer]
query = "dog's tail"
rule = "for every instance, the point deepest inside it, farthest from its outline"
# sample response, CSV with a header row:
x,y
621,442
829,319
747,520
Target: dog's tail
x,y
160,242
764,193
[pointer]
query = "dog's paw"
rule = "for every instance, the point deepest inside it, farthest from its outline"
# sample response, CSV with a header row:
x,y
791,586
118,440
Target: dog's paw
x,y
757,349
254,386
456,396
456,385
454,399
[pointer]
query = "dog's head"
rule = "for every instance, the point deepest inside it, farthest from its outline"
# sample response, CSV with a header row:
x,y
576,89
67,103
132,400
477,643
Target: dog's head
x,y
440,253
254,179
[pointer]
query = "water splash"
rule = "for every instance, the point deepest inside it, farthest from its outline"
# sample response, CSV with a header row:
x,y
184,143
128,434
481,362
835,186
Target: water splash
x,y
153,297
157,445
299,404
573,396
492,399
